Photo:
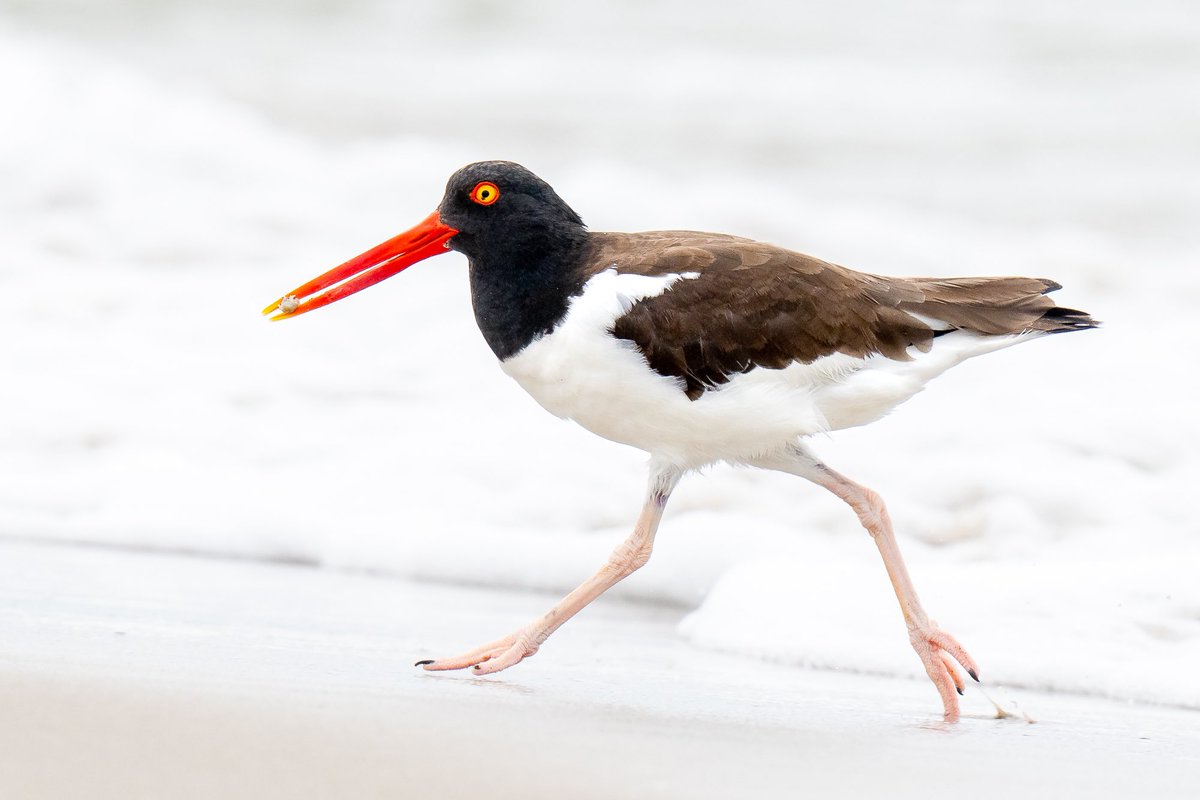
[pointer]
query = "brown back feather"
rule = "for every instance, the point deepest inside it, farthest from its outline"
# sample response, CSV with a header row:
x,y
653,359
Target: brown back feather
x,y
757,305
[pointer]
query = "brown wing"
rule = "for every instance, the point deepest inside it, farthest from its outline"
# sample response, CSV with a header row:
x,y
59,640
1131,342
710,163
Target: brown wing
x,y
756,305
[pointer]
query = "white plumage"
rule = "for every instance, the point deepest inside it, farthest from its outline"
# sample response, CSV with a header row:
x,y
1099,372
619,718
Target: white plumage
x,y
581,372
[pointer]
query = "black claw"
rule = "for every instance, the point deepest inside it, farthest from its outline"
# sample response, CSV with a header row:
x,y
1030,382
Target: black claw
x,y
423,663
975,677
959,690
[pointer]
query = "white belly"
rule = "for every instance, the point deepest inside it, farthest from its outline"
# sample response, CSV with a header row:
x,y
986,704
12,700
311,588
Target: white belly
x,y
581,372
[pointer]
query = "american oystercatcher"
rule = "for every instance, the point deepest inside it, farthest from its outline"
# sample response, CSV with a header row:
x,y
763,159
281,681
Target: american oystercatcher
x,y
698,348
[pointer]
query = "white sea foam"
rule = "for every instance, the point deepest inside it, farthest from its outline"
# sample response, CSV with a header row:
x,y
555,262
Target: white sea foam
x,y
169,173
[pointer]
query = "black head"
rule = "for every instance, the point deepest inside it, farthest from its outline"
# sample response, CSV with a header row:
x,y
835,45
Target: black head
x,y
503,211
521,239
524,245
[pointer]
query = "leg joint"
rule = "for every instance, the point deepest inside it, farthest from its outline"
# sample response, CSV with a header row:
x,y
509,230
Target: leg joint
x,y
871,510
629,557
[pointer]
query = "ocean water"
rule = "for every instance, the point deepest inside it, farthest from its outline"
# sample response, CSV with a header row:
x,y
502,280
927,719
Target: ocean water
x,y
166,170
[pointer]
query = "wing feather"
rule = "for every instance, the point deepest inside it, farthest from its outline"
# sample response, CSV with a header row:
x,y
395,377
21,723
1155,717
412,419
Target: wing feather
x,y
751,305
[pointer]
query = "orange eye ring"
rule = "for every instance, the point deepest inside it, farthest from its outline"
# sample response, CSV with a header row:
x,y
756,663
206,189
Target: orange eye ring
x,y
485,193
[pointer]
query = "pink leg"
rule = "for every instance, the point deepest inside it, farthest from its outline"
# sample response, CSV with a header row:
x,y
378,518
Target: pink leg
x,y
937,649
633,553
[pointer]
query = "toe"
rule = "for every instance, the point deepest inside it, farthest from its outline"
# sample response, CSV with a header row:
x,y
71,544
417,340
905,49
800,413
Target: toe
x,y
949,644
939,652
516,653
470,658
940,675
952,670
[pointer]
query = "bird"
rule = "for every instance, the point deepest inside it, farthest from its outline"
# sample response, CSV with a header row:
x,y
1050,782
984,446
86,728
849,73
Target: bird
x,y
699,348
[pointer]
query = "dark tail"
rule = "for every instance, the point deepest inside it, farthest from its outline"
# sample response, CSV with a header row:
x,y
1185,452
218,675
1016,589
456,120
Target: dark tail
x,y
1064,320
996,306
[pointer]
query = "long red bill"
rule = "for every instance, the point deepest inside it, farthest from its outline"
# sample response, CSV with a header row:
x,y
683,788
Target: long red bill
x,y
383,261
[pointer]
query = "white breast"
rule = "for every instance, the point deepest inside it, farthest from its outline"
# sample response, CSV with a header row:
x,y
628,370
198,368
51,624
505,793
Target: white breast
x,y
581,372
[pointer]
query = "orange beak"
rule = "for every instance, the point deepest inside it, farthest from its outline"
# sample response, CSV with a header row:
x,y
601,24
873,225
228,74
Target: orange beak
x,y
427,239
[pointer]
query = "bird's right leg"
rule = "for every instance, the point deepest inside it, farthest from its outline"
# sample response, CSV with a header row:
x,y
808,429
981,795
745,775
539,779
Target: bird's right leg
x,y
937,649
630,555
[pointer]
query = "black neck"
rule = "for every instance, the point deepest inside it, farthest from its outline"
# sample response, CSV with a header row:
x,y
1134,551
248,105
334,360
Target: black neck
x,y
521,291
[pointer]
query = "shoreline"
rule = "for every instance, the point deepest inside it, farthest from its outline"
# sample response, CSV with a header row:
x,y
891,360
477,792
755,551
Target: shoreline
x,y
134,675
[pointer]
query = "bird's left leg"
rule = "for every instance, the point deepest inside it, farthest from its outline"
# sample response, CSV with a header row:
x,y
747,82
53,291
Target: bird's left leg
x,y
937,649
628,557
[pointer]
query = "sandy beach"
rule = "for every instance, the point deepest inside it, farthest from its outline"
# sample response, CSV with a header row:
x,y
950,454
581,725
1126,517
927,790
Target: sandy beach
x,y
140,675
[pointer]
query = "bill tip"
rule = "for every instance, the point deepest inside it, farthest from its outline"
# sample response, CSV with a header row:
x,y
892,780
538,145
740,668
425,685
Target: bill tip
x,y
284,305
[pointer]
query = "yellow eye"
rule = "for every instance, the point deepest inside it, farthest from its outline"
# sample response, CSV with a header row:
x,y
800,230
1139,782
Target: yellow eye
x,y
485,193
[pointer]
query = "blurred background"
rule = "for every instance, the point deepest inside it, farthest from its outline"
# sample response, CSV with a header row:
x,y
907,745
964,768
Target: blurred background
x,y
168,168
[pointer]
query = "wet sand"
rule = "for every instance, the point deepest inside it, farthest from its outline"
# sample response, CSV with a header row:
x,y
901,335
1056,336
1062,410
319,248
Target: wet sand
x,y
126,675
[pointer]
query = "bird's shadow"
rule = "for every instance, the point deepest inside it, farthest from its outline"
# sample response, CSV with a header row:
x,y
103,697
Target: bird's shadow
x,y
492,684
